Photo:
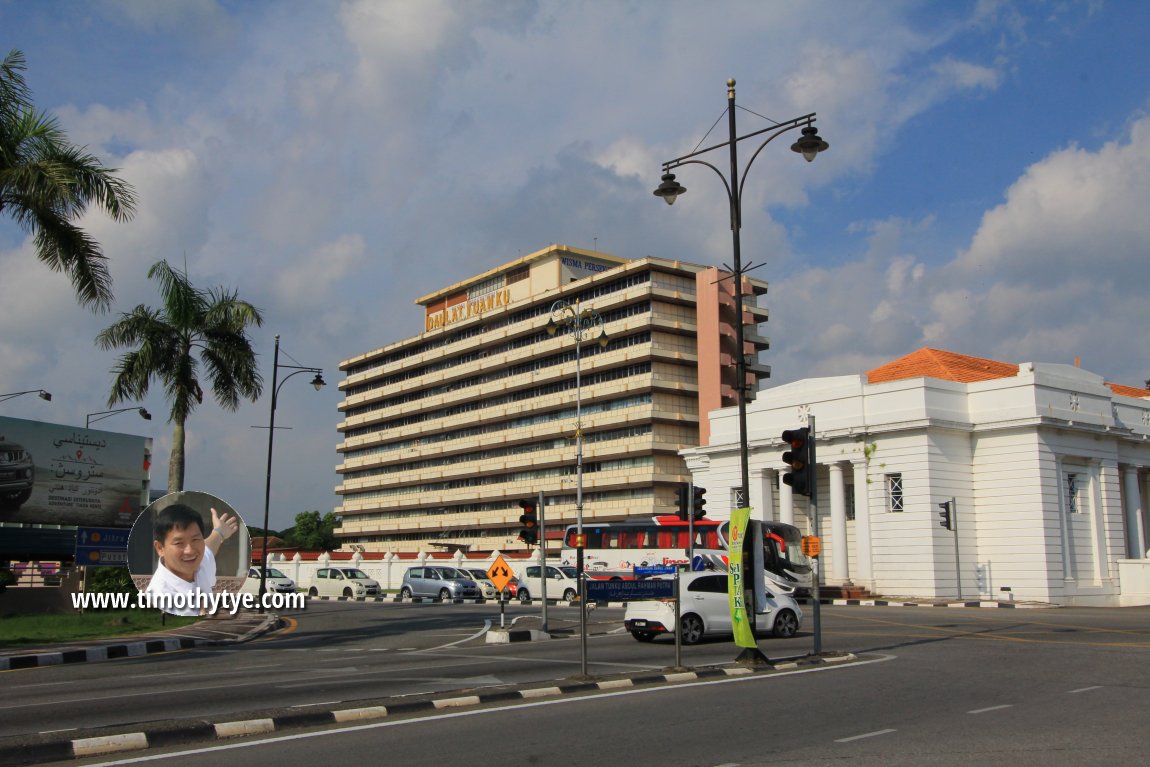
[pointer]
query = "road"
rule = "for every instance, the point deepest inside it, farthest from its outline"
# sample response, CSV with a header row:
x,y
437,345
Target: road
x,y
944,686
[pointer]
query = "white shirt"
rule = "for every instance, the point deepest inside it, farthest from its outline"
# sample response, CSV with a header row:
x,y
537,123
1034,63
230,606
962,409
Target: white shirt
x,y
167,582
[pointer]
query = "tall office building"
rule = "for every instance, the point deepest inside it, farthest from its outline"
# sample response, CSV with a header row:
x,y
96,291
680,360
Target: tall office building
x,y
446,432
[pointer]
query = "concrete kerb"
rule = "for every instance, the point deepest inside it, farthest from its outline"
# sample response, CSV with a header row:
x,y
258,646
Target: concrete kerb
x,y
25,750
150,644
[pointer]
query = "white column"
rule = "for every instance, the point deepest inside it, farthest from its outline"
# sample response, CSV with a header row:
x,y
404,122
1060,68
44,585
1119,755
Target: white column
x,y
1135,535
1069,566
767,495
1098,523
840,565
863,569
786,501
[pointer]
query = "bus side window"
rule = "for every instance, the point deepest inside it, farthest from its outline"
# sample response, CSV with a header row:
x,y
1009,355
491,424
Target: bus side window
x,y
664,539
710,539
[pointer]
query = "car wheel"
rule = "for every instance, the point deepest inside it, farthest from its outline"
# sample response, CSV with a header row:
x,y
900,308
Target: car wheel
x,y
691,626
524,597
786,624
405,593
570,595
444,595
313,592
347,592
644,636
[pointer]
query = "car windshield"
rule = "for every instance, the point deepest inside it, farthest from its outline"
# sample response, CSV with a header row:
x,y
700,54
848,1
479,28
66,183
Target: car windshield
x,y
354,573
481,574
274,573
570,572
451,572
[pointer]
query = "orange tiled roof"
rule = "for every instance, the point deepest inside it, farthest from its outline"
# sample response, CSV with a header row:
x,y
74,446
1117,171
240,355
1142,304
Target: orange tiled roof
x,y
1128,391
937,363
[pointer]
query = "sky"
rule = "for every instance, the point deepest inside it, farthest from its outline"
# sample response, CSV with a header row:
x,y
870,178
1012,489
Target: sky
x,y
985,190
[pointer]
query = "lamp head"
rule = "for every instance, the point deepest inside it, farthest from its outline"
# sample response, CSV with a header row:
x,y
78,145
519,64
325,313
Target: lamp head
x,y
44,395
552,328
318,381
810,144
145,414
603,339
670,189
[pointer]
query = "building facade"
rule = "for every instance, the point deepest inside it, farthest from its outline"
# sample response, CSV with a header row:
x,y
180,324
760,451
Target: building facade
x,y
1048,466
444,433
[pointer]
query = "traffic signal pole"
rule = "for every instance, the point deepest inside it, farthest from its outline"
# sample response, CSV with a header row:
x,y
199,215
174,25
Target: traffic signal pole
x,y
543,559
816,568
957,565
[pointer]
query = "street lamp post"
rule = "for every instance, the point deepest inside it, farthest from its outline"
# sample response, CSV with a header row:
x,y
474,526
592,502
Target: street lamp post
x,y
46,396
809,145
89,420
581,321
316,382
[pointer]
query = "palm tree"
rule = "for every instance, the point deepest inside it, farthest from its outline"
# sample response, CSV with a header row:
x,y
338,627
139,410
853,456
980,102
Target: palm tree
x,y
211,324
46,184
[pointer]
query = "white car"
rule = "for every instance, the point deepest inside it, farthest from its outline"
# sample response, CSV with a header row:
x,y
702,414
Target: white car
x,y
562,583
343,582
483,581
277,582
706,610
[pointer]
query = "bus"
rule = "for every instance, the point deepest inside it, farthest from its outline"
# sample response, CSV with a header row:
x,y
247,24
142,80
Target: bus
x,y
613,550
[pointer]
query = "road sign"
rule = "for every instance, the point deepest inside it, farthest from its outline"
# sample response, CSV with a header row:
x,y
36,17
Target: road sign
x,y
500,573
656,570
102,546
811,545
623,591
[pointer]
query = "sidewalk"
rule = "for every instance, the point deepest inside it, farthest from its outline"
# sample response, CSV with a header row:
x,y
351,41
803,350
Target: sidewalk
x,y
204,632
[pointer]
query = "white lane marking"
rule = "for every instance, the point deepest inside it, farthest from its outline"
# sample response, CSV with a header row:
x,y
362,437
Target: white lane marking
x,y
476,635
991,708
1084,689
864,735
321,703
566,700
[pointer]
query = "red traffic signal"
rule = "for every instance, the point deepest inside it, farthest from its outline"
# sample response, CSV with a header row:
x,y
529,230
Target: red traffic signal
x,y
529,520
800,460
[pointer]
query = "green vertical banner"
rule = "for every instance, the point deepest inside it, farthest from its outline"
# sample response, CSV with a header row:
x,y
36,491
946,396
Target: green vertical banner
x,y
736,578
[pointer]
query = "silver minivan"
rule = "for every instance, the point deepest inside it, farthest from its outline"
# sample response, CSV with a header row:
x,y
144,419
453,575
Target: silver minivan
x,y
438,581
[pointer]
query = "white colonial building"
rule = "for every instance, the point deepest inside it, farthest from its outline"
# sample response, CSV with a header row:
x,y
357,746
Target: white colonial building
x,y
1048,465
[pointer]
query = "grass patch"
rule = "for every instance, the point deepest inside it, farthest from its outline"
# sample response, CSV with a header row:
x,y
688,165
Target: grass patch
x,y
17,630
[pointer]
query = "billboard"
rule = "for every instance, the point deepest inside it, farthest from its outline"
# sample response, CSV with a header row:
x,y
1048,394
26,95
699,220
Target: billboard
x,y
64,475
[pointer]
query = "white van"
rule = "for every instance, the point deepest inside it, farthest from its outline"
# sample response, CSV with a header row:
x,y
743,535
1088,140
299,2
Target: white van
x,y
562,583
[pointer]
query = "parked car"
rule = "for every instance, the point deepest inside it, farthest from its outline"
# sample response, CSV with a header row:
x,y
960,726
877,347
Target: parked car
x,y
439,581
483,580
17,474
276,582
562,583
706,611
343,582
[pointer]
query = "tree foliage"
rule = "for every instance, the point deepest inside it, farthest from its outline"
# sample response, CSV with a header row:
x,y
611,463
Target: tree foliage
x,y
46,185
313,532
193,328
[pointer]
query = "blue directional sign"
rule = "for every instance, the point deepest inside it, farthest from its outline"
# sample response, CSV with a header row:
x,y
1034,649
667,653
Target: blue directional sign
x,y
102,546
656,570
623,591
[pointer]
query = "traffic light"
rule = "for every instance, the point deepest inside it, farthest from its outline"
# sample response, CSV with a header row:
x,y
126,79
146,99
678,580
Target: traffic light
x,y
682,499
801,477
529,519
946,516
697,494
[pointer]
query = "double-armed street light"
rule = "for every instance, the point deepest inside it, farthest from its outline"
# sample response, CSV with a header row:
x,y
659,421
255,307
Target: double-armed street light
x,y
316,382
92,418
809,146
582,322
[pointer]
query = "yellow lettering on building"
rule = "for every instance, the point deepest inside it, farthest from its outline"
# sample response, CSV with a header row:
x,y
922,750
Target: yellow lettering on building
x,y
469,309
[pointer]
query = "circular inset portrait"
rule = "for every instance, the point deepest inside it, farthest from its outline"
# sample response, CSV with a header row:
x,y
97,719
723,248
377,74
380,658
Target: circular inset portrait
x,y
185,550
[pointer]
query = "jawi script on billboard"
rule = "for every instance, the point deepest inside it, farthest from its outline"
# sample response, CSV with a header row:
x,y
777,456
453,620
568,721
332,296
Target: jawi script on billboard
x,y
64,475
